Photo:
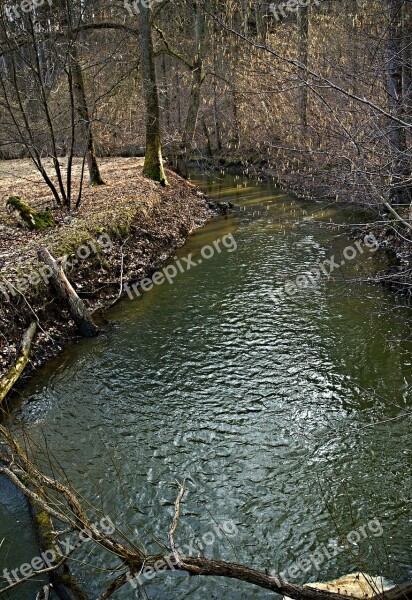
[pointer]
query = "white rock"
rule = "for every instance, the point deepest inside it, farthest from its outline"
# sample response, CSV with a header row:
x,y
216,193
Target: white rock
x,y
356,585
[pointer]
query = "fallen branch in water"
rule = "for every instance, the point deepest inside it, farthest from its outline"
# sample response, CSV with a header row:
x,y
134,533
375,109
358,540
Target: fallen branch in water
x,y
61,502
174,525
8,380
66,292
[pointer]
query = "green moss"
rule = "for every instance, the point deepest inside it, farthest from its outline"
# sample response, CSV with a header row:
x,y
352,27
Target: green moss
x,y
153,167
122,229
45,529
66,578
31,218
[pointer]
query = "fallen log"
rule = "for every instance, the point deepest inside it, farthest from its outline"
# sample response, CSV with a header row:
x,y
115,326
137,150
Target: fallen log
x,y
8,380
61,580
66,292
207,567
52,562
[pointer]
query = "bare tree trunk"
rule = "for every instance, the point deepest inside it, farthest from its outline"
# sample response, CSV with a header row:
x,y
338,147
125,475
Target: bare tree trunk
x,y
303,52
407,63
236,121
397,132
177,97
261,26
194,102
351,11
215,106
84,114
207,136
66,292
153,164
166,94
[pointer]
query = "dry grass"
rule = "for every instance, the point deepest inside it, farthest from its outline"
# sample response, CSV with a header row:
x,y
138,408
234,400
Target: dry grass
x,y
108,208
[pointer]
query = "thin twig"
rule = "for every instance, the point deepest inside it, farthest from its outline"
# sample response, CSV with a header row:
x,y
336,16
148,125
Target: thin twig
x,y
119,295
175,523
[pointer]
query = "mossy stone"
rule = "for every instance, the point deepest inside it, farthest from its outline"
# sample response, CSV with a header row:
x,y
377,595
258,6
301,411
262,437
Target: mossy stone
x,y
33,219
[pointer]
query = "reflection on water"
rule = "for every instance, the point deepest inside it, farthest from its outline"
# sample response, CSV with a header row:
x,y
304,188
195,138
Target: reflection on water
x,y
288,419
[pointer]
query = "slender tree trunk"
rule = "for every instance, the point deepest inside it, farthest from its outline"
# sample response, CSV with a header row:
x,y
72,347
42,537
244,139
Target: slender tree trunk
x,y
191,120
236,121
194,101
407,76
407,63
303,51
177,97
166,94
84,115
153,164
351,11
207,136
397,132
215,106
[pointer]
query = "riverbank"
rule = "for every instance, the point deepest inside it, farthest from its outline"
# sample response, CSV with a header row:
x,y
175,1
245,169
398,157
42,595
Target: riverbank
x,y
122,232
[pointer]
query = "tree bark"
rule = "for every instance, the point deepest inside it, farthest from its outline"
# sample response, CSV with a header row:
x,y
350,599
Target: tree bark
x,y
303,51
194,101
8,380
84,115
166,94
407,63
65,291
153,164
62,581
207,137
397,132
219,145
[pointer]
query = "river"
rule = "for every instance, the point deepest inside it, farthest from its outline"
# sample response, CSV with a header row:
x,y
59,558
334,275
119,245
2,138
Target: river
x,y
289,419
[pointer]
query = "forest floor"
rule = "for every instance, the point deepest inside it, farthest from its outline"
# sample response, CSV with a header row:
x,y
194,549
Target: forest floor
x,y
123,230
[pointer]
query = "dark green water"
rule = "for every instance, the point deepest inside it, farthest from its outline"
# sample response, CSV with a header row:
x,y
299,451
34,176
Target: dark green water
x,y
292,420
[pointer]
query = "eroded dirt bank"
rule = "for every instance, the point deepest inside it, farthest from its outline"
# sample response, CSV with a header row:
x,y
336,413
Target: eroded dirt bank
x,y
123,231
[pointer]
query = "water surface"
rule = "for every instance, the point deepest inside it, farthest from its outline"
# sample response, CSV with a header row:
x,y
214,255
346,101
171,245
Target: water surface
x,y
289,419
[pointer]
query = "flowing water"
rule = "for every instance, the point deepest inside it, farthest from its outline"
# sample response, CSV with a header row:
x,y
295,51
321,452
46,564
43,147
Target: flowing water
x,y
290,420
